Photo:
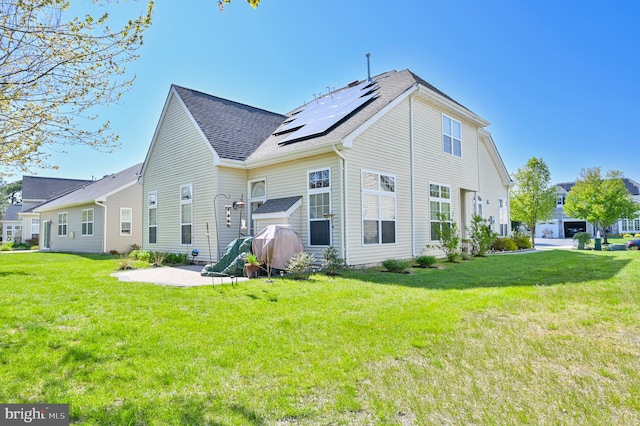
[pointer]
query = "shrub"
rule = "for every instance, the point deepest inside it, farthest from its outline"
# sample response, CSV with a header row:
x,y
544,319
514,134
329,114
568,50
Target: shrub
x,y
299,266
466,256
21,246
504,244
143,255
583,238
425,261
449,238
332,263
522,241
176,258
135,247
158,258
481,235
125,262
6,247
396,266
113,252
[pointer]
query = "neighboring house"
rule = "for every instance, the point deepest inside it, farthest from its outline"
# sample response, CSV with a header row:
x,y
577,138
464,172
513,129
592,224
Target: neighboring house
x,y
99,217
563,226
35,190
368,169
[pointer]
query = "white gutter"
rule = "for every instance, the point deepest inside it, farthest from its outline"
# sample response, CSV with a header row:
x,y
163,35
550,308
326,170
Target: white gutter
x,y
104,226
344,252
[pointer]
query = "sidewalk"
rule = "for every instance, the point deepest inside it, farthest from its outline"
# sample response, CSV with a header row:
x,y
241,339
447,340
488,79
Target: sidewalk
x,y
181,276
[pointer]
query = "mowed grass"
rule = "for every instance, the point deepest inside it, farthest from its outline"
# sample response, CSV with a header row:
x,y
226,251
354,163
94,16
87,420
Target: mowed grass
x,y
541,338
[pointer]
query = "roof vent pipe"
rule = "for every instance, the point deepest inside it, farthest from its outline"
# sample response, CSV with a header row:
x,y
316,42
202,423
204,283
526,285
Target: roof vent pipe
x,y
368,67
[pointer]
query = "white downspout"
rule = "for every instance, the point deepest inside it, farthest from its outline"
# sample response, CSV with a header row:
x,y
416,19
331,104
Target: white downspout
x,y
104,226
413,182
344,224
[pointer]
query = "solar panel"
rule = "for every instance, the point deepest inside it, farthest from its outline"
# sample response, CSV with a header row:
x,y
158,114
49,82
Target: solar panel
x,y
320,115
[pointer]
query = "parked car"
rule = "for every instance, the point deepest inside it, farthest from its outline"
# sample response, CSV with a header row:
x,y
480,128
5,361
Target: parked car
x,y
633,244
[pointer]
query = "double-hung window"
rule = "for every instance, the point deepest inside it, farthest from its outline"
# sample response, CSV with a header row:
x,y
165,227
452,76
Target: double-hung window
x,y
186,213
152,213
126,219
63,222
87,222
35,227
440,209
378,208
319,196
451,136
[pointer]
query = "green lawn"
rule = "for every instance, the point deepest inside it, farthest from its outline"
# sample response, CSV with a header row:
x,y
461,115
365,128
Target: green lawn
x,y
540,338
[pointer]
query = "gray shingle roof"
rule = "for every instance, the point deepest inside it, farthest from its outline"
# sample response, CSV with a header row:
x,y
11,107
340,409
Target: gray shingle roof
x,y
12,212
94,190
46,188
632,186
233,129
277,205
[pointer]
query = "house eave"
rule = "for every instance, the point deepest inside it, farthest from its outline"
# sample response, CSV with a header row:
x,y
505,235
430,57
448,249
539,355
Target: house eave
x,y
324,148
450,106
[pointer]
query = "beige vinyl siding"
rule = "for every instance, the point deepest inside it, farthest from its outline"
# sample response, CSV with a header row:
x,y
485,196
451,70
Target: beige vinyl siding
x,y
382,148
290,179
179,156
231,182
491,188
74,241
130,197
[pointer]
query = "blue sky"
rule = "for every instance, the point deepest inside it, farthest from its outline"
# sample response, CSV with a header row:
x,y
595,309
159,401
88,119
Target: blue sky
x,y
557,79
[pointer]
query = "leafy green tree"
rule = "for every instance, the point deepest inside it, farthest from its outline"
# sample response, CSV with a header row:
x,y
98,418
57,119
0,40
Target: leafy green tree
x,y
449,238
10,193
481,235
54,68
601,201
533,197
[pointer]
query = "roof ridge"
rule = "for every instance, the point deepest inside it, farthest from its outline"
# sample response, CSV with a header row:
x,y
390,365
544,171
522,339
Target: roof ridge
x,y
226,100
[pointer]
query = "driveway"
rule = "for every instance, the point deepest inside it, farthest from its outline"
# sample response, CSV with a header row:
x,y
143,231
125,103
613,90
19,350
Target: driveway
x,y
554,243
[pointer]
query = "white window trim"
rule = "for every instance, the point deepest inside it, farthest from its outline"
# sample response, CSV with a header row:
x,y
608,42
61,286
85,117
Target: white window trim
x,y
183,202
315,191
37,223
379,192
155,206
439,200
451,136
82,222
130,221
66,223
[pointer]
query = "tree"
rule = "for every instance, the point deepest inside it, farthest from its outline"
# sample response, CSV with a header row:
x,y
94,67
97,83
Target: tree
x,y
53,70
10,193
221,3
600,201
533,198
481,235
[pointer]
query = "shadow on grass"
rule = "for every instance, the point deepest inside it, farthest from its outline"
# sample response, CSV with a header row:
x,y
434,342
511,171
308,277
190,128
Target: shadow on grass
x,y
533,269
10,273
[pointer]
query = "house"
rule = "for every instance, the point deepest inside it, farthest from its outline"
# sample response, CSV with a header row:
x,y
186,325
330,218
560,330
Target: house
x,y
563,226
21,224
99,217
373,169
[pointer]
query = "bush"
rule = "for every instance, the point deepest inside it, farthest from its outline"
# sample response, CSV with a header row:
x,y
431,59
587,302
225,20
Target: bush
x,y
6,247
396,266
299,266
583,239
331,262
504,244
158,258
522,241
21,246
125,262
466,256
143,255
425,261
481,235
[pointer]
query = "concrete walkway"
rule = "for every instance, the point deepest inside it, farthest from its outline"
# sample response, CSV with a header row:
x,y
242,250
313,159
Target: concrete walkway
x,y
181,276
554,243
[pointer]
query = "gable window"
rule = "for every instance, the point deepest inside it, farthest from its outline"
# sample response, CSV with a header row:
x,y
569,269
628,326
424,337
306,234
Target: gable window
x,y
126,219
186,213
440,209
87,222
378,208
63,222
319,196
451,136
152,210
560,199
257,197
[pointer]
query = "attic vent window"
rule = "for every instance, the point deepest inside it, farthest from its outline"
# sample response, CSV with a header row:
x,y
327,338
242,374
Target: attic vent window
x,y
185,192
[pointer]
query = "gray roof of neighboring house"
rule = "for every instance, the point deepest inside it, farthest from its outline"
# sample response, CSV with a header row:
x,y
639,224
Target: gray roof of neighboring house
x,y
12,212
233,129
94,190
632,186
391,84
46,188
277,205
